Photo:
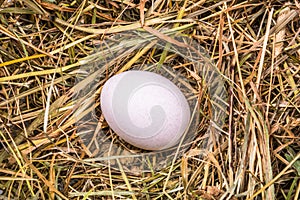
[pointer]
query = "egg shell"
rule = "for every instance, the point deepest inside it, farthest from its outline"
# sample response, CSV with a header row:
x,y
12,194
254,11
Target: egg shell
x,y
145,109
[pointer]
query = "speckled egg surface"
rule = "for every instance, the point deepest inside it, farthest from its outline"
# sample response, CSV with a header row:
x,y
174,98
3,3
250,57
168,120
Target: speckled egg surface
x,y
145,109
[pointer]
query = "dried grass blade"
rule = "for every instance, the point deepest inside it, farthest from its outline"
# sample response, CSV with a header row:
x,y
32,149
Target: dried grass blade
x,y
275,178
38,73
115,29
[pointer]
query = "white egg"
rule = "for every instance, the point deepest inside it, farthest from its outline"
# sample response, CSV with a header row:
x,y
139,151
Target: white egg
x,y
145,109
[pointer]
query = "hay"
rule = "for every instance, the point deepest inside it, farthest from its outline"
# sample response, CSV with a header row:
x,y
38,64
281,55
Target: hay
x,y
254,45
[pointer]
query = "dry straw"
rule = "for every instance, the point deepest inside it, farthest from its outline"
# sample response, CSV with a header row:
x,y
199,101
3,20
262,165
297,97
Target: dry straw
x,y
255,46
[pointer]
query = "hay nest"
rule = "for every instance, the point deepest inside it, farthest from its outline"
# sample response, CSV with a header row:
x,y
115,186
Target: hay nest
x,y
51,49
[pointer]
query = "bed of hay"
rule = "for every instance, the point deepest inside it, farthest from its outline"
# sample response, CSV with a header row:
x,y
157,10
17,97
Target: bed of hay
x,y
255,45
